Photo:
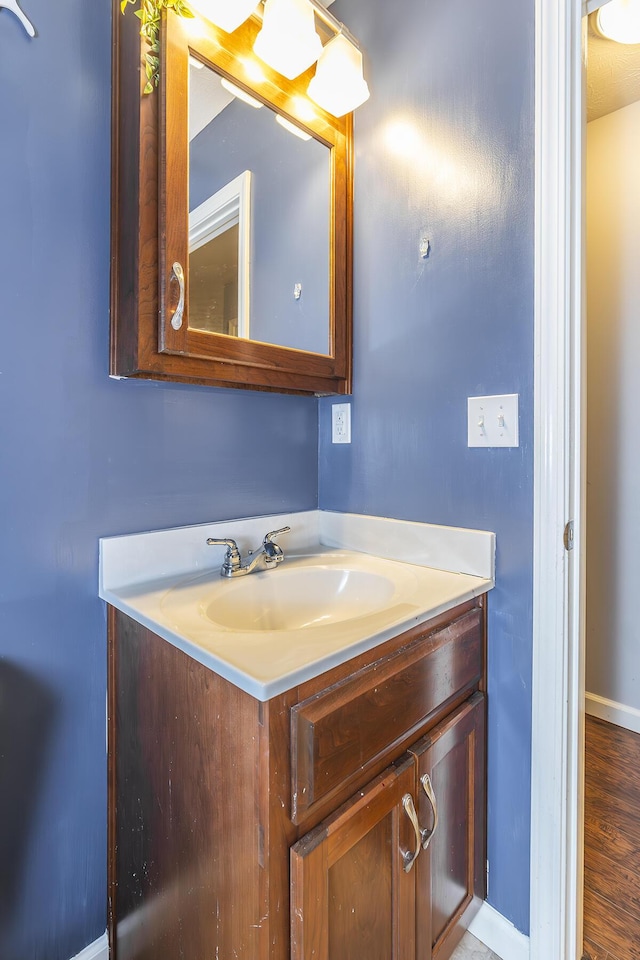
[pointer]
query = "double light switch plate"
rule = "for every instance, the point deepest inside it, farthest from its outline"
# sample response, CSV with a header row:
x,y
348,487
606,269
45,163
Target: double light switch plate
x,y
493,421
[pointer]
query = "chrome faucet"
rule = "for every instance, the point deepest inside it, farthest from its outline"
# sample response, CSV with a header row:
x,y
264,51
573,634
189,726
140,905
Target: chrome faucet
x,y
268,558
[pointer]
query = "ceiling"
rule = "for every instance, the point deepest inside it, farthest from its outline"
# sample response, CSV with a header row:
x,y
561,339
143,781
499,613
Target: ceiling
x,y
613,73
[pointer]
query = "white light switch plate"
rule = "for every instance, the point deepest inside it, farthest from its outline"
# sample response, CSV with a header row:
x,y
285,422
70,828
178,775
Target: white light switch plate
x,y
341,423
492,421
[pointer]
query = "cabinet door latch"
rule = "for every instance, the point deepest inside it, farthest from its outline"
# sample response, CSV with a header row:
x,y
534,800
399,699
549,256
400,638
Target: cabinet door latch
x,y
568,536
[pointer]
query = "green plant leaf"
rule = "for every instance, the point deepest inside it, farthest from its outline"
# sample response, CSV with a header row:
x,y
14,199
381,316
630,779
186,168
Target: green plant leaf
x,y
150,14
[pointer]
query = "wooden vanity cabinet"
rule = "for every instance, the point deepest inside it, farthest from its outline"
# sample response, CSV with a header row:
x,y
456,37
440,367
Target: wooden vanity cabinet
x,y
450,872
277,830
354,894
350,894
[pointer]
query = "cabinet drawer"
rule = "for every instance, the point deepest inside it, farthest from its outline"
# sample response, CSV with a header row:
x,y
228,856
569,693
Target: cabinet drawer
x,y
342,731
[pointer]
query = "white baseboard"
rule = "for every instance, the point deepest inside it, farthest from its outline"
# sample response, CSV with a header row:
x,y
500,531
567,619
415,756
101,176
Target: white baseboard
x,y
98,950
499,934
617,713
488,926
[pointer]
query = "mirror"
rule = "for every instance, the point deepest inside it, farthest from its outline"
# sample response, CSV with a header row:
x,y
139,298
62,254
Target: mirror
x,y
259,219
220,259
231,235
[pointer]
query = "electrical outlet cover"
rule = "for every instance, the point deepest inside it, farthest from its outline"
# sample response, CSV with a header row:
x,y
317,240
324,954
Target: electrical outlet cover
x,y
341,423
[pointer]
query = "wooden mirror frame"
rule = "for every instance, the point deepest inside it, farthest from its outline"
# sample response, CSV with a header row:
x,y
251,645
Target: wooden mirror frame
x,y
141,221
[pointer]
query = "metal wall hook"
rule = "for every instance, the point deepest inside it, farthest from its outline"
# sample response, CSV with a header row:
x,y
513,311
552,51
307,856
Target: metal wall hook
x,y
12,5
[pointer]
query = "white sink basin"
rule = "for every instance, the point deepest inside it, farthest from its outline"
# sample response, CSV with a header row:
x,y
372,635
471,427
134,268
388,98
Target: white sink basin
x,y
298,596
302,593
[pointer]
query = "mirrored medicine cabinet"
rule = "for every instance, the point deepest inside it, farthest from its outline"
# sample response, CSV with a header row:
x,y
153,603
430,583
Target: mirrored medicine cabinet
x,y
231,217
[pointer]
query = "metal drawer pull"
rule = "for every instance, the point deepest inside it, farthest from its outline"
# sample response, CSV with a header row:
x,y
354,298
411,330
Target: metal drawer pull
x,y
178,273
408,857
427,786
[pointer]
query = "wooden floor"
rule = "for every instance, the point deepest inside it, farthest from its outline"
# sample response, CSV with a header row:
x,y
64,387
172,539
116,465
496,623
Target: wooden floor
x,y
612,843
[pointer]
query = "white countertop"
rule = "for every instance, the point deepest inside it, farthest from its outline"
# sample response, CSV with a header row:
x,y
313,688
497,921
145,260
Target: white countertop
x,y
169,580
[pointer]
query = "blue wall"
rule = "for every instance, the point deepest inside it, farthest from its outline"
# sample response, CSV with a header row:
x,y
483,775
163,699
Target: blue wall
x,y
83,456
445,145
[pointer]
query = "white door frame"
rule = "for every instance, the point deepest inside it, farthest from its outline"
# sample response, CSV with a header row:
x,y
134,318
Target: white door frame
x,y
558,591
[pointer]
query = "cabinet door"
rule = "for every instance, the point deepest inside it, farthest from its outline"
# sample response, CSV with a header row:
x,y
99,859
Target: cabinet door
x,y
451,809
352,881
291,344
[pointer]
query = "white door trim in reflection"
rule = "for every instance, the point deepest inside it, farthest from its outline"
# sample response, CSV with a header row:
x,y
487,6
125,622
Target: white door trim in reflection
x,y
227,207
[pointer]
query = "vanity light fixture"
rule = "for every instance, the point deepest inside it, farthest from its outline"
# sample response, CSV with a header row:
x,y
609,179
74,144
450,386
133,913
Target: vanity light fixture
x,y
339,85
253,70
619,20
304,110
226,14
240,93
288,41
195,28
291,127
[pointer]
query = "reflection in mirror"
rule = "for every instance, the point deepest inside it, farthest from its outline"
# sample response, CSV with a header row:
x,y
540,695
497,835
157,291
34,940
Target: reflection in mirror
x,y
213,285
219,252
259,221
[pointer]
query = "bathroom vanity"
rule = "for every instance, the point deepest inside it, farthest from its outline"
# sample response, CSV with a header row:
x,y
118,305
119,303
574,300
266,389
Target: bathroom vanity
x,y
335,810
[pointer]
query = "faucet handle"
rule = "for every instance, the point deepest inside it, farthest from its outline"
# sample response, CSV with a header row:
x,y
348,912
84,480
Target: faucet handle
x,y
269,537
272,550
232,559
231,545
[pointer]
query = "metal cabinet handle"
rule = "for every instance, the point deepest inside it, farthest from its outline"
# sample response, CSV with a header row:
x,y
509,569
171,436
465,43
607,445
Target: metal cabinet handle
x,y
427,786
410,858
178,273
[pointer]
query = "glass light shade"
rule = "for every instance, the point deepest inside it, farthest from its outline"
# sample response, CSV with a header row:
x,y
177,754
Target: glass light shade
x,y
291,127
226,14
240,93
339,85
619,20
288,41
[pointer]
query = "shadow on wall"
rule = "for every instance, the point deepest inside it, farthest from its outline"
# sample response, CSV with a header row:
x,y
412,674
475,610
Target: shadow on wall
x,y
26,720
